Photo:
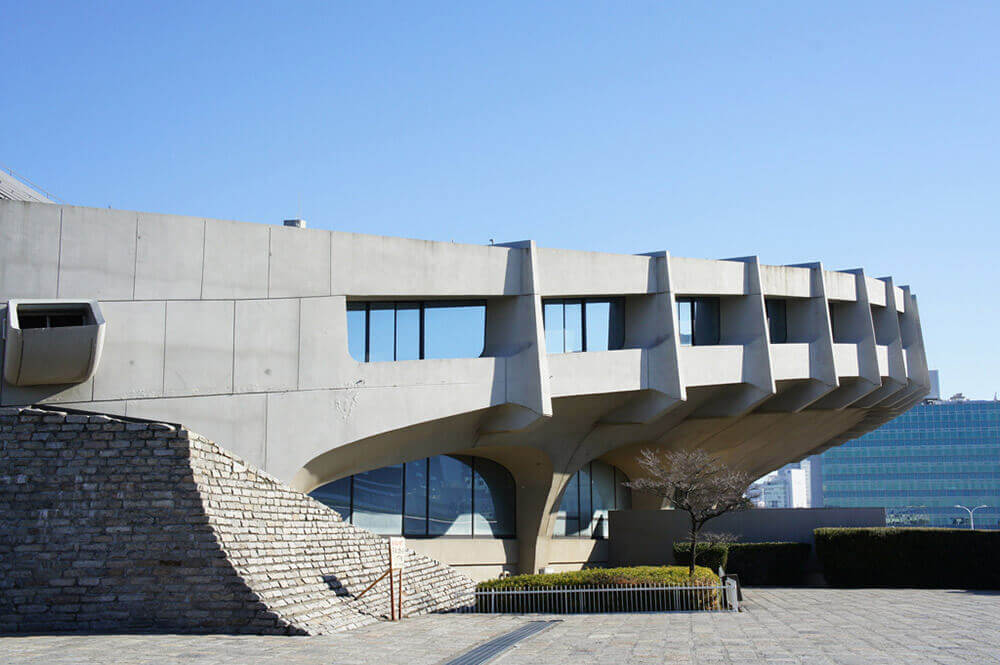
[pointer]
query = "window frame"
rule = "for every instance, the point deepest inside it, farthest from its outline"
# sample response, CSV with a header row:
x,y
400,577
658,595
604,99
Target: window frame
x,y
472,461
562,302
421,305
691,301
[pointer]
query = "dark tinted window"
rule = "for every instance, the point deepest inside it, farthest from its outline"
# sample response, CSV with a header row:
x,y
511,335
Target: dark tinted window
x,y
777,320
590,324
388,331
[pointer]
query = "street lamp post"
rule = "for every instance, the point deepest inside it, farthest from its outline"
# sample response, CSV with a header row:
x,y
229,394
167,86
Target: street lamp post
x,y
971,511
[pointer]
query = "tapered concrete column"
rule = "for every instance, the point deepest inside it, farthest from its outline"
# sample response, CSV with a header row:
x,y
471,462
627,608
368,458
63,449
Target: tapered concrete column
x,y
856,338
515,331
918,381
885,321
651,325
809,322
744,323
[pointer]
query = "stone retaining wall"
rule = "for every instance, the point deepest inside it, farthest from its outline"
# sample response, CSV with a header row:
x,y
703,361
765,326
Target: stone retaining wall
x,y
115,525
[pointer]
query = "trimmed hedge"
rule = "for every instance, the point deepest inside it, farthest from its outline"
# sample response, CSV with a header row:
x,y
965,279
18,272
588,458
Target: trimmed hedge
x,y
909,557
596,577
710,556
768,563
518,594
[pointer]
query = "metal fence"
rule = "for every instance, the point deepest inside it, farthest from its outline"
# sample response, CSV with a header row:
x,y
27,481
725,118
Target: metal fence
x,y
610,598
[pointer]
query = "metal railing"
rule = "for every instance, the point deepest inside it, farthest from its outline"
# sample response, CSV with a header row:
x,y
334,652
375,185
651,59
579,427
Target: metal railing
x,y
609,598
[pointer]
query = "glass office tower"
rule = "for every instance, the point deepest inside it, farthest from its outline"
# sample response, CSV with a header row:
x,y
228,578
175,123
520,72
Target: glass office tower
x,y
921,465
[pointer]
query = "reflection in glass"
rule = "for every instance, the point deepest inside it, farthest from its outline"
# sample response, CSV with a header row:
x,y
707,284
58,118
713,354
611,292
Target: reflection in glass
x,y
568,517
378,499
408,331
553,317
598,321
337,495
415,503
356,334
685,321
454,331
573,326
449,499
381,332
698,321
492,499
445,495
590,494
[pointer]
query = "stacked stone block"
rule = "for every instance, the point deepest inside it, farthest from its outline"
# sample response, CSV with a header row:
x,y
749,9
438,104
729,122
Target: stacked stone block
x,y
108,524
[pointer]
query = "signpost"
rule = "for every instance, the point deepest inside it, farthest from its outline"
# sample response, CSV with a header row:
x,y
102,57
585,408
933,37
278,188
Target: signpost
x,y
397,561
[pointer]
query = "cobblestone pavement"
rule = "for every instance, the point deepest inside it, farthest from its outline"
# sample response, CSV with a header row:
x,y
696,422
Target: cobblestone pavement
x,y
859,626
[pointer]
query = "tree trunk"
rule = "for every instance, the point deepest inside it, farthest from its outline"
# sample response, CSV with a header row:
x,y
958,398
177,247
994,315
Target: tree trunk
x,y
694,546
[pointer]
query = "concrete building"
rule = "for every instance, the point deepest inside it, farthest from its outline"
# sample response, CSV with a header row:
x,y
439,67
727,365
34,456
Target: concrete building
x,y
788,487
497,395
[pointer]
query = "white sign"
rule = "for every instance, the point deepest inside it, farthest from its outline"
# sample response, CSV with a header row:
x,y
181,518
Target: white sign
x,y
397,552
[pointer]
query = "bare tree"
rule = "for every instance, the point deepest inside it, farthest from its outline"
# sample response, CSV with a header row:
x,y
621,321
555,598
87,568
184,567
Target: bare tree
x,y
695,482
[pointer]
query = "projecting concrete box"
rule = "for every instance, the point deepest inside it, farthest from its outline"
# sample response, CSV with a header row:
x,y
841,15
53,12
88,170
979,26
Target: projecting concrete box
x,y
50,342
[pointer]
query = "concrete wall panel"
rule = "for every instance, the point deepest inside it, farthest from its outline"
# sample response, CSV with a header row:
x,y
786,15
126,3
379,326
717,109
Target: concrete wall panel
x,y
786,281
98,254
421,268
267,345
132,363
235,260
300,263
29,249
706,277
199,348
324,360
565,272
169,257
235,422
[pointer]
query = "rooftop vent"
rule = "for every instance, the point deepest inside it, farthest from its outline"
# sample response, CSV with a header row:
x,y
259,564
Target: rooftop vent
x,y
296,223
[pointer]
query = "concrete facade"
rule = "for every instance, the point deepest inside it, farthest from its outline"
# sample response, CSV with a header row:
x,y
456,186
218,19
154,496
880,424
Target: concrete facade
x,y
239,331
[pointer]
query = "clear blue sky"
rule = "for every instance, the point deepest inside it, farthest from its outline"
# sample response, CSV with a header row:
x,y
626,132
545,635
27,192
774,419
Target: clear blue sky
x,y
860,134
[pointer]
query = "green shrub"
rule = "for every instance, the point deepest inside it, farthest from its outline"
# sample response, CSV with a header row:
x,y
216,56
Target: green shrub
x,y
909,557
709,555
768,563
595,577
516,596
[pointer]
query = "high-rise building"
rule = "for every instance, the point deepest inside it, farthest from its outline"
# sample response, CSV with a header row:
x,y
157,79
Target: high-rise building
x,y
920,466
788,487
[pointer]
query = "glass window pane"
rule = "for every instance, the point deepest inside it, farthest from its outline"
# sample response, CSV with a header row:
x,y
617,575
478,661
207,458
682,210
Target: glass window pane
x,y
623,495
616,331
454,331
685,323
586,510
777,320
407,331
598,320
378,500
573,322
381,333
415,505
567,522
492,500
706,321
336,495
356,331
553,314
603,497
449,490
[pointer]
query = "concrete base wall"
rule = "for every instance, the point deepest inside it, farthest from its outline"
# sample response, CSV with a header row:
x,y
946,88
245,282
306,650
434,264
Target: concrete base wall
x,y
121,525
647,537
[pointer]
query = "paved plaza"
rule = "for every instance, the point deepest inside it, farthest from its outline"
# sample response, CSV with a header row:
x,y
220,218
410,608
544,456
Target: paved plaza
x,y
858,626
